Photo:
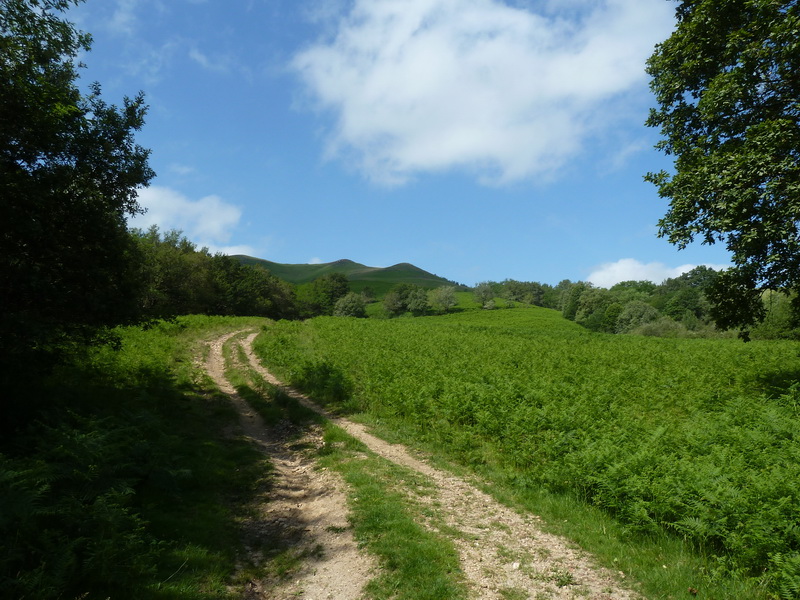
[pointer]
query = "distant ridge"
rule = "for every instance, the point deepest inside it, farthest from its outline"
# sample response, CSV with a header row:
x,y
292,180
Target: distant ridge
x,y
380,280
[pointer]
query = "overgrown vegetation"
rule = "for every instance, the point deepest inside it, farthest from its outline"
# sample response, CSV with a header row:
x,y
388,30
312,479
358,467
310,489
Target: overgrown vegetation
x,y
696,438
178,278
417,563
124,487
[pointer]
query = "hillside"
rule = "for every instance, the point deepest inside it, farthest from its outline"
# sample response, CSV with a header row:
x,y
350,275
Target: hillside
x,y
379,279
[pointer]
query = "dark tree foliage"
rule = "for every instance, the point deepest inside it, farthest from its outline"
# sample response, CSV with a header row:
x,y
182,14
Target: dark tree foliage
x,y
406,297
319,297
679,305
179,279
69,171
527,292
727,82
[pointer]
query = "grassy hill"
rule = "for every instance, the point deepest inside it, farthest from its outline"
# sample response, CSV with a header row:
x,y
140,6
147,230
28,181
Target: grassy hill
x,y
379,280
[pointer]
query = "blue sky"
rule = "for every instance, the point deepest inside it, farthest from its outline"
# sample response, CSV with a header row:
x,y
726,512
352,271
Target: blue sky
x,y
477,139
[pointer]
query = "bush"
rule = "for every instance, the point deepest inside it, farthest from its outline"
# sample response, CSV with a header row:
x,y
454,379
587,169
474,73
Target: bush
x,y
635,314
351,305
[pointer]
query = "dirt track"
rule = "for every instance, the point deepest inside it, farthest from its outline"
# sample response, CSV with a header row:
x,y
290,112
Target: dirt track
x,y
500,549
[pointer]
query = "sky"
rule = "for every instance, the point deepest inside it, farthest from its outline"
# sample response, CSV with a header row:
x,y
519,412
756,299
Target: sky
x,y
477,139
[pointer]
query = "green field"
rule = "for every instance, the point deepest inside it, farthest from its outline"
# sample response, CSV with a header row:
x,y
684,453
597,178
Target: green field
x,y
695,439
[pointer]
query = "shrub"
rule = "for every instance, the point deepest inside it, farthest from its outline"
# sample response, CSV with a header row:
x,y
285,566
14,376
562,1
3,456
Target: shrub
x,y
351,305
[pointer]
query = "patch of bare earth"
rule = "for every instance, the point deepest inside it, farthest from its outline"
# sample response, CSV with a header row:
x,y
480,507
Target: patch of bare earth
x,y
302,514
503,554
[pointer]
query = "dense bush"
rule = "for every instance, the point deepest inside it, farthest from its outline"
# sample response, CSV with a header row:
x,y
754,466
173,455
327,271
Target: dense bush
x,y
351,305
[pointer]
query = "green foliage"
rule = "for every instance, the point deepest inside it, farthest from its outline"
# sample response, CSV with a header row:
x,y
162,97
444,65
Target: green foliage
x,y
484,293
325,381
786,569
320,296
680,306
406,297
780,320
442,299
527,292
350,305
417,302
179,279
361,277
634,314
693,437
121,488
727,88
69,173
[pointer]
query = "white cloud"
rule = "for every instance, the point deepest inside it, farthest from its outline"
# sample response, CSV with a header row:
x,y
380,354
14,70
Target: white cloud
x,y
315,261
180,169
231,250
630,269
429,85
123,20
209,221
220,64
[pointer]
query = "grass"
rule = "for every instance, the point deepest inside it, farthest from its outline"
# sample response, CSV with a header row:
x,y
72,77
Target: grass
x,y
132,491
417,564
649,452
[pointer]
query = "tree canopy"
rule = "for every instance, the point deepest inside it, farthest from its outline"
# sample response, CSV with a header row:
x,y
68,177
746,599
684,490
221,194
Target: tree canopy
x,y
69,173
727,82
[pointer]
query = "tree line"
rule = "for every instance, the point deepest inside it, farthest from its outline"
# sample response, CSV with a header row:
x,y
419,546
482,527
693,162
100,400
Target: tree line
x,y
679,306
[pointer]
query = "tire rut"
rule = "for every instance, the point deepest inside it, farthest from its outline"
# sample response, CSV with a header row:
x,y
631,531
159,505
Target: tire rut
x,y
503,553
302,514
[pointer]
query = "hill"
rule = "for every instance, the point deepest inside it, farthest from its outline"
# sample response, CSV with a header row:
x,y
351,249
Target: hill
x,y
378,279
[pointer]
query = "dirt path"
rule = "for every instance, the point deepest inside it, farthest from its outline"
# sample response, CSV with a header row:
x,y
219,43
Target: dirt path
x,y
304,510
503,554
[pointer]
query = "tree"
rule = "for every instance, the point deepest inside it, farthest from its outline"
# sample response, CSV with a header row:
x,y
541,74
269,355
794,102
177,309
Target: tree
x,y
350,305
320,296
442,299
591,311
393,303
69,174
571,297
417,302
484,293
406,297
727,86
634,314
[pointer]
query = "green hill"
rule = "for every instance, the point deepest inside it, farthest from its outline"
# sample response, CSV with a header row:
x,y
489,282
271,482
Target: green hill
x,y
379,280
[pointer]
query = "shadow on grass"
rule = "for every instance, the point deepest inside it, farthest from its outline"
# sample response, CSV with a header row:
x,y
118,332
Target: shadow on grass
x,y
123,486
779,383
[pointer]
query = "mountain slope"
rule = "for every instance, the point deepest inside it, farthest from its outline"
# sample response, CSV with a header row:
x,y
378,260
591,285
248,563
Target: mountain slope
x,y
378,279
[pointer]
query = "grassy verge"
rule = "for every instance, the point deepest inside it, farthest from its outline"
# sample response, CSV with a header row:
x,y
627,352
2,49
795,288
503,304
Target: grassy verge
x,y
417,563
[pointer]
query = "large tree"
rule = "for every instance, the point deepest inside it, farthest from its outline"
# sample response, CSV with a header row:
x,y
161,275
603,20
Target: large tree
x,y
727,82
69,173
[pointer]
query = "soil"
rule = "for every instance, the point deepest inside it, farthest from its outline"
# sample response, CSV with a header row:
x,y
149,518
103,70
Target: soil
x,y
503,554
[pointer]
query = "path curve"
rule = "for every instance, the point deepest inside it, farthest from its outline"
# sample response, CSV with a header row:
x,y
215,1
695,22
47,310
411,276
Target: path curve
x,y
500,549
305,508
